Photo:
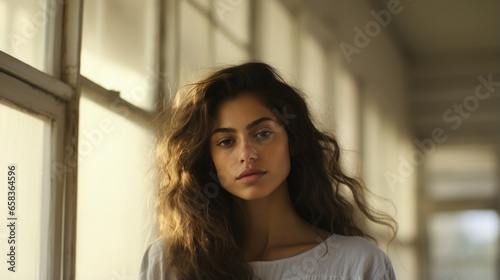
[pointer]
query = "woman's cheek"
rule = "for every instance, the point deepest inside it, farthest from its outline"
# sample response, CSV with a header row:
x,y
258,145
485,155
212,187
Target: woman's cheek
x,y
224,178
226,168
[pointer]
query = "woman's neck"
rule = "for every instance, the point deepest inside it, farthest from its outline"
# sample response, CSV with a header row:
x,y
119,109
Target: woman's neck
x,y
271,228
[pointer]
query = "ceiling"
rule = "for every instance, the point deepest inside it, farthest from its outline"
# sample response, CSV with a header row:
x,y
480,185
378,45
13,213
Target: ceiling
x,y
448,29
445,44
424,29
448,44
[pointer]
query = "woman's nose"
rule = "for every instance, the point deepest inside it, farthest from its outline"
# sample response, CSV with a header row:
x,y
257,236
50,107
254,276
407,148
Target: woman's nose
x,y
248,152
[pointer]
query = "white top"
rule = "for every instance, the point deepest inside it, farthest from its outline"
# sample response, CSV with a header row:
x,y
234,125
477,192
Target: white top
x,y
338,258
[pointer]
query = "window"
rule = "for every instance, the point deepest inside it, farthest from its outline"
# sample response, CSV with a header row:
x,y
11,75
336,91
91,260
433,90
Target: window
x,y
463,244
33,169
27,28
212,35
119,45
114,183
461,211
29,201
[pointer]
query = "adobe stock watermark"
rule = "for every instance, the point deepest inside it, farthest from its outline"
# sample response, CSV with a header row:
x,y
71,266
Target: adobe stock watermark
x,y
152,79
31,26
89,139
372,28
454,118
309,263
221,7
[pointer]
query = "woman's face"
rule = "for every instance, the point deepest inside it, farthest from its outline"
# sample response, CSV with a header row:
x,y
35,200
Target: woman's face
x,y
249,148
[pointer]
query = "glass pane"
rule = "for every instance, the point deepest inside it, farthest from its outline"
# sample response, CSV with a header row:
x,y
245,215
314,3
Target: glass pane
x,y
226,52
25,148
118,48
23,29
463,245
234,15
463,171
195,45
113,187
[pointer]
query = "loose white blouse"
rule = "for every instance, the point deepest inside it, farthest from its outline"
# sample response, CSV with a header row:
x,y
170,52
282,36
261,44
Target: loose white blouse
x,y
338,258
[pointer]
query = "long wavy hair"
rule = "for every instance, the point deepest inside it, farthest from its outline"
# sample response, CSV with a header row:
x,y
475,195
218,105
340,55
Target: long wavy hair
x,y
195,214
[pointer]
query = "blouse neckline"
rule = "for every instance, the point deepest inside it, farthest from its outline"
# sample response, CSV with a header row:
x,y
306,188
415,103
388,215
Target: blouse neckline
x,y
299,255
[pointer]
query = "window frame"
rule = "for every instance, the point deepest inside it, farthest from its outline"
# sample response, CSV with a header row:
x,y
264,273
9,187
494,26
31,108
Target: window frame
x,y
56,95
26,96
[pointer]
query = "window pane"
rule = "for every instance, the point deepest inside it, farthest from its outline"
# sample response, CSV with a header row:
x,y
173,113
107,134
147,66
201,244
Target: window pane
x,y
113,187
463,171
234,15
463,245
118,48
23,29
195,45
25,143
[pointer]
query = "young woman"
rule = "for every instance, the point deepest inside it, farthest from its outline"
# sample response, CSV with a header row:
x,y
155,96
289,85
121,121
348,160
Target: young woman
x,y
251,189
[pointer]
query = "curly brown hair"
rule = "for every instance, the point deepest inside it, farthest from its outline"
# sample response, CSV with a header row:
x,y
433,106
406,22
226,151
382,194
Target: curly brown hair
x,y
195,213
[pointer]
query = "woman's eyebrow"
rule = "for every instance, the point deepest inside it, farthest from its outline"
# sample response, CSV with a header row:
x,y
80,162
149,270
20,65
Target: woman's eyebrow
x,y
257,122
249,126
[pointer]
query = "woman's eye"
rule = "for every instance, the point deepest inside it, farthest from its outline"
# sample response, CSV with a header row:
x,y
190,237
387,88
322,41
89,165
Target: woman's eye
x,y
225,142
263,134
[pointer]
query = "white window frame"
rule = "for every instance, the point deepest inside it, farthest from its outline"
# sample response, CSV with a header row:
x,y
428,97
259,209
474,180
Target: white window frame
x,y
24,96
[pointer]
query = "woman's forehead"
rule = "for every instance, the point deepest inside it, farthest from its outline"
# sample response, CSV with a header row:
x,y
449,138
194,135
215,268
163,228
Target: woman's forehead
x,y
244,108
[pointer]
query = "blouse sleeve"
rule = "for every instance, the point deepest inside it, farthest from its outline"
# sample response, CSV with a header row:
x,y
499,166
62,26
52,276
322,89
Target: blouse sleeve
x,y
152,263
389,272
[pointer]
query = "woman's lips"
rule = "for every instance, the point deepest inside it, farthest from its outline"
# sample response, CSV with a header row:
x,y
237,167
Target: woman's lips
x,y
251,178
250,171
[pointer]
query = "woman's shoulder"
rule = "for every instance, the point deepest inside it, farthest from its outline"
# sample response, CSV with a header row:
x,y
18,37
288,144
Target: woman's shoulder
x,y
353,245
342,257
355,255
